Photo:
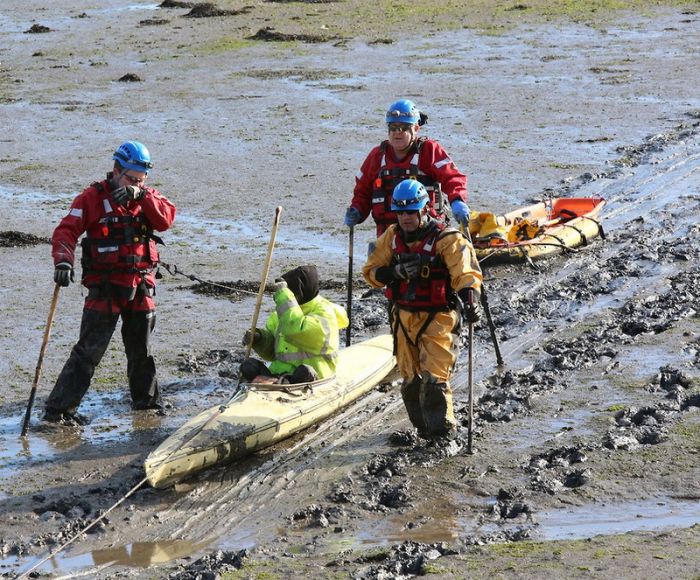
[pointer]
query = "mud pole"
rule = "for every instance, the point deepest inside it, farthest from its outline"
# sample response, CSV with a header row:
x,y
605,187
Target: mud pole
x,y
37,372
470,384
349,304
263,280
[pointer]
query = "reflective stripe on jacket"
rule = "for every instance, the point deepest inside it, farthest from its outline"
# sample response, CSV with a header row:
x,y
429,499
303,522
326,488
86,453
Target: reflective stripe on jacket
x,y
94,213
306,334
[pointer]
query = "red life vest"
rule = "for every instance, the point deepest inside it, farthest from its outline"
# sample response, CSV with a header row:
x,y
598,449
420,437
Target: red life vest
x,y
388,178
432,289
119,242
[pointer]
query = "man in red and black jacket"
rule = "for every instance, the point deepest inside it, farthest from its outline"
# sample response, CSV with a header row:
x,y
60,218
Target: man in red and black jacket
x,y
405,155
119,256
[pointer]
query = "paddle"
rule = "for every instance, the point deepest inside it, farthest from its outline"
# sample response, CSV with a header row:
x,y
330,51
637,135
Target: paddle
x,y
263,280
37,372
349,306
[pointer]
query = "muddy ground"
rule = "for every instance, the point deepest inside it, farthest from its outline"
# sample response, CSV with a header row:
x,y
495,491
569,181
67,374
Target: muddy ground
x,y
586,448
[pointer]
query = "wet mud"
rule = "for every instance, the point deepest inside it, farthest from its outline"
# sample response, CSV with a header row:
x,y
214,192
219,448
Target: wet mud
x,y
594,416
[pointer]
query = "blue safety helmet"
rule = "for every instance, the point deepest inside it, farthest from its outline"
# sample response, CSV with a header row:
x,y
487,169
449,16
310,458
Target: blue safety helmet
x,y
403,111
409,195
133,155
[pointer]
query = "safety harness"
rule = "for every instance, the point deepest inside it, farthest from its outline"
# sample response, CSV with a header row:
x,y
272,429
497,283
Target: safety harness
x,y
432,290
387,178
119,244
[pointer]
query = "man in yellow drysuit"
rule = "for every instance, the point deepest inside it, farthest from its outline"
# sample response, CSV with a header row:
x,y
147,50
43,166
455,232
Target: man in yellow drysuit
x,y
433,279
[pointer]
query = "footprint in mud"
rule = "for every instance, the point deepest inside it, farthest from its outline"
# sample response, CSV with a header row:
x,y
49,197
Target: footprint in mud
x,y
315,516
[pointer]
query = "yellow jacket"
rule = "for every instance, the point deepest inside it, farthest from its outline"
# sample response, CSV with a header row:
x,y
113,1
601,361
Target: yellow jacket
x,y
454,248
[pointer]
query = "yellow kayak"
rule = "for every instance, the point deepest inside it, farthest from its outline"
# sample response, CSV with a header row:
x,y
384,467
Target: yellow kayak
x,y
259,415
536,231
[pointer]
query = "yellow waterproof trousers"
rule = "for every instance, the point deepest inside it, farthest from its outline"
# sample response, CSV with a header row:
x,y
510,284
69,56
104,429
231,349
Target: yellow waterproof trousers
x,y
427,346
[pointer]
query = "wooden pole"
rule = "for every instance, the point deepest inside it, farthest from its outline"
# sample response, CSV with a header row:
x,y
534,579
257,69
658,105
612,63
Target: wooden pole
x,y
37,372
263,281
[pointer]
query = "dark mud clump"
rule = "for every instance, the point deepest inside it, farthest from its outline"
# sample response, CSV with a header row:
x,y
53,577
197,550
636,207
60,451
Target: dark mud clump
x,y
369,312
269,34
37,29
71,506
224,362
208,10
154,22
11,239
175,4
129,78
315,516
511,504
500,537
237,289
211,566
552,471
403,560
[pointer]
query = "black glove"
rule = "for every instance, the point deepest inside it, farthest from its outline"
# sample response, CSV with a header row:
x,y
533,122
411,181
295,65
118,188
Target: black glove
x,y
409,267
127,193
470,302
257,335
63,274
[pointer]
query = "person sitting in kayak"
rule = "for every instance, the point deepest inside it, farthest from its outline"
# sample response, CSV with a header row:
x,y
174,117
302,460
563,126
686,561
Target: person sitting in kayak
x,y
301,337
432,280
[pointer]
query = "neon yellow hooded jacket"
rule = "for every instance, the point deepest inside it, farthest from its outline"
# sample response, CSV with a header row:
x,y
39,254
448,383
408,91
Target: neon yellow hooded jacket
x,y
306,334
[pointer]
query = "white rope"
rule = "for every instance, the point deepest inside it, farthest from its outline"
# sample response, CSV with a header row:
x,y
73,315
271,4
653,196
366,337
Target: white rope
x,y
81,532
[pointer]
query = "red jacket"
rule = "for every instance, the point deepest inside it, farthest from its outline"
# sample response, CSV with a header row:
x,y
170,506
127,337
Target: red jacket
x,y
118,247
433,166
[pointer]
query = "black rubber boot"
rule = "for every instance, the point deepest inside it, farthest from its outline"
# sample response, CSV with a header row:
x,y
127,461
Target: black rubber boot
x,y
65,418
436,402
303,374
251,368
410,392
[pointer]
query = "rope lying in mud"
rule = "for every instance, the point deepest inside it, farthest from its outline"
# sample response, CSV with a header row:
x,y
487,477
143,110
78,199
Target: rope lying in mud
x,y
173,270
82,532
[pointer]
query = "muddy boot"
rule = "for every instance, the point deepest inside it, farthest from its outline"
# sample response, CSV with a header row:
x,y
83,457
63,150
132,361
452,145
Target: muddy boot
x,y
303,374
436,402
410,392
66,418
251,368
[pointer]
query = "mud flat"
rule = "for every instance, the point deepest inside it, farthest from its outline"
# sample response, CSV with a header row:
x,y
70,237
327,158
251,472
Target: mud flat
x,y
586,460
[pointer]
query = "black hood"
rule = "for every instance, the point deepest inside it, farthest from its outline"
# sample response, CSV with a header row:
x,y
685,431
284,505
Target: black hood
x,y
303,281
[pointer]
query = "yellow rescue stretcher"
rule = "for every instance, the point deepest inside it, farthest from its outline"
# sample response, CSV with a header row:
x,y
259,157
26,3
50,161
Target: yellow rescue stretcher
x,y
536,231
